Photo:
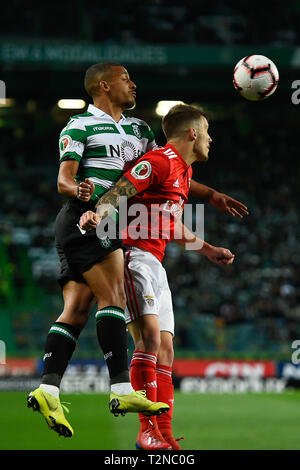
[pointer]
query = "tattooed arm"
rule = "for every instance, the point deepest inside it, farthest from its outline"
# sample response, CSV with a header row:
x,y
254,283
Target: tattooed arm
x,y
122,188
151,170
108,203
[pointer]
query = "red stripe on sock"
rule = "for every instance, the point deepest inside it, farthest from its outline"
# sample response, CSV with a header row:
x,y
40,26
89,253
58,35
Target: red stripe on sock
x,y
142,357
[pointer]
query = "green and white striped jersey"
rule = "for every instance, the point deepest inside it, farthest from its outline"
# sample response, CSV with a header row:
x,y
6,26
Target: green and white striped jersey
x,y
105,148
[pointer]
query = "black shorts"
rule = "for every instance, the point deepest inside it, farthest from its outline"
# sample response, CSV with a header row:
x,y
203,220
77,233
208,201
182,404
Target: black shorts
x,y
78,251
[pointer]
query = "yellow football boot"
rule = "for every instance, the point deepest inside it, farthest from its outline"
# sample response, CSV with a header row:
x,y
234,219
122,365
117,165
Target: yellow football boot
x,y
135,402
52,410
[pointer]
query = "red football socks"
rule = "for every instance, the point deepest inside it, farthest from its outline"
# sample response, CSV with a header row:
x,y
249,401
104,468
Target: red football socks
x,y
165,393
143,377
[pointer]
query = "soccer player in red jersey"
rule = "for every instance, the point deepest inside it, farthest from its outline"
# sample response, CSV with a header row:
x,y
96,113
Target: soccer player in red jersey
x,y
159,183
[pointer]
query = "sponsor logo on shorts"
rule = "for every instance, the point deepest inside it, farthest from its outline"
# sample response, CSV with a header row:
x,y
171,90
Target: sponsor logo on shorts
x,y
108,355
141,171
81,229
47,355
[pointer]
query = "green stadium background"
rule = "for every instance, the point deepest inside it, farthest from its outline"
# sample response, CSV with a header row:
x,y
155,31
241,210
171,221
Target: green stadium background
x,y
235,326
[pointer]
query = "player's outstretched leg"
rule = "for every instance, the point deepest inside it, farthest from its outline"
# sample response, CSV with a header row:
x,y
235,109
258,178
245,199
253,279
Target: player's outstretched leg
x,y
106,280
112,336
59,347
165,391
52,410
143,375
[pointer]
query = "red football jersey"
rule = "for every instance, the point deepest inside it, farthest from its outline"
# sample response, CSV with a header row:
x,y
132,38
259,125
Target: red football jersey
x,y
162,178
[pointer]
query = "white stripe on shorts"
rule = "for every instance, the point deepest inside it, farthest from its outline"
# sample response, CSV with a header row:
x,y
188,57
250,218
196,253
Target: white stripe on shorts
x,y
132,302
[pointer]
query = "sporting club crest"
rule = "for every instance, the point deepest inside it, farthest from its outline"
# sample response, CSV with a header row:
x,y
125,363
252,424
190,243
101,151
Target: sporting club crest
x,y
137,131
105,242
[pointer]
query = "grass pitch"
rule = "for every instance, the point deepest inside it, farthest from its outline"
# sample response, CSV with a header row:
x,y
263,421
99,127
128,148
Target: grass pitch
x,y
211,422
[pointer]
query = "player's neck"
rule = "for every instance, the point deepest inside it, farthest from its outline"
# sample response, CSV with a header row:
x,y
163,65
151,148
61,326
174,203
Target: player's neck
x,y
109,108
185,149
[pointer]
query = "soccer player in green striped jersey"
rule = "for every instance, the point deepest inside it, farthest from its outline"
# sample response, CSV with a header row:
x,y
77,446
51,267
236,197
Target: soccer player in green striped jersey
x,y
103,147
95,147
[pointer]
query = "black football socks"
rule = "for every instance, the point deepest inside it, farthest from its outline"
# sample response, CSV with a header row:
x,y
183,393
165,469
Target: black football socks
x,y
60,345
112,337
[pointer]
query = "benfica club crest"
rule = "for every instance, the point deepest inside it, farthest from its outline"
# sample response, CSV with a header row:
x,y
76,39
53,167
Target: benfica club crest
x,y
149,299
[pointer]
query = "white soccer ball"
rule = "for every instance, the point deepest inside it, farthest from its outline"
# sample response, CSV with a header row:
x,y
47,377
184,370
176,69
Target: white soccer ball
x,y
255,77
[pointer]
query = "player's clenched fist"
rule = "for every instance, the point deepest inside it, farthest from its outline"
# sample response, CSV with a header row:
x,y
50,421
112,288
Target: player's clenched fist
x,y
85,190
220,256
89,220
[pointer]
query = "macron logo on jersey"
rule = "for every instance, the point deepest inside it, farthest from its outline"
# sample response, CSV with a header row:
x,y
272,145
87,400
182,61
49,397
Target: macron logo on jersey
x,y
176,184
170,154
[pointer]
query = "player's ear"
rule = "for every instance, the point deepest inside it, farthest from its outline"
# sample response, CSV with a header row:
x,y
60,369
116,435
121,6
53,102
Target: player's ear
x,y
104,85
192,133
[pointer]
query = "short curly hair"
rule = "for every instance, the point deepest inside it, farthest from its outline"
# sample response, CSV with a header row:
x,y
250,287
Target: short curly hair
x,y
95,73
180,118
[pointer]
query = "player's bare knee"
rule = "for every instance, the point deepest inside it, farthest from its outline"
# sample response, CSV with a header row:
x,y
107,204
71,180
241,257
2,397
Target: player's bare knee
x,y
139,345
82,318
75,317
166,354
151,341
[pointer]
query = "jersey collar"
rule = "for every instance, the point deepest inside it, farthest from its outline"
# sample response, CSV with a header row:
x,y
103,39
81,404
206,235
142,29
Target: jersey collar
x,y
99,113
178,154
